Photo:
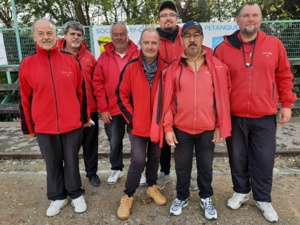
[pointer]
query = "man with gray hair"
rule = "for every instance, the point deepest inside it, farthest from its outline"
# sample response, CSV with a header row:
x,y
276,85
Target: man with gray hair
x,y
72,42
105,80
53,108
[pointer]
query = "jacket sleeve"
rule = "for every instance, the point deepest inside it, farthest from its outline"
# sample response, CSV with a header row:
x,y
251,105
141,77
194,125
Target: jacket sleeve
x,y
284,78
25,102
123,93
98,83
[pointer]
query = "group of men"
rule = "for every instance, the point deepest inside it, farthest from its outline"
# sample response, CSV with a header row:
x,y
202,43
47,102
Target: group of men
x,y
173,92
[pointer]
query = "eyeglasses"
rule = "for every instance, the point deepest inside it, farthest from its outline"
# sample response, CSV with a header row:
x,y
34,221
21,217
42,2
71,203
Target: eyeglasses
x,y
171,15
189,36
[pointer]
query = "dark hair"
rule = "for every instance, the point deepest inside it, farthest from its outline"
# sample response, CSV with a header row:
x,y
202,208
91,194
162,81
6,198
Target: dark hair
x,y
73,25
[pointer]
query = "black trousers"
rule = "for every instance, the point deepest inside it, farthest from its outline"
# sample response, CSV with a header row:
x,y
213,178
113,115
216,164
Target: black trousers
x,y
251,150
165,159
90,146
183,155
60,153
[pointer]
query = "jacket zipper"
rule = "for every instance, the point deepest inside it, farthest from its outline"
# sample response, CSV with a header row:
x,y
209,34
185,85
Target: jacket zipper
x,y
195,96
249,89
54,89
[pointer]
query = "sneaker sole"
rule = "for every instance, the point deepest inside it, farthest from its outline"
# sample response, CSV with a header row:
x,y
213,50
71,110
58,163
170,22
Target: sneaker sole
x,y
177,213
241,202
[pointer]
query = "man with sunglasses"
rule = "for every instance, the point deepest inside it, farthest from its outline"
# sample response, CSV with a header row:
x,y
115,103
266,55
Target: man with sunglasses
x,y
195,115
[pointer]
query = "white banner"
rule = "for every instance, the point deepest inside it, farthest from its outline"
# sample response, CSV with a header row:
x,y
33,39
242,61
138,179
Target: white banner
x,y
3,58
213,34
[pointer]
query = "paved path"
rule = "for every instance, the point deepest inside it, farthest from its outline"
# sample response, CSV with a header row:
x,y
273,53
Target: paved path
x,y
14,145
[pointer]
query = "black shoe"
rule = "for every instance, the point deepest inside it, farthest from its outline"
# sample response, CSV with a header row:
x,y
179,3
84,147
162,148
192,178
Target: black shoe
x,y
95,181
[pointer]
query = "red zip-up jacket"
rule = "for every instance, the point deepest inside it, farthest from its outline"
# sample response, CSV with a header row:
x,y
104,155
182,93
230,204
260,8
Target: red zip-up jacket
x,y
170,51
136,97
106,77
52,92
256,89
195,108
88,62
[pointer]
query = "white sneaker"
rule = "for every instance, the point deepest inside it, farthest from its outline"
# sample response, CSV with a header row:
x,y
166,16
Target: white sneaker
x,y
177,206
114,176
237,200
55,207
268,211
143,180
79,204
209,210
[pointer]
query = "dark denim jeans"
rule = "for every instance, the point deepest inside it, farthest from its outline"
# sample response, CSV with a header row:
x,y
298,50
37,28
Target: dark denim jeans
x,y
143,152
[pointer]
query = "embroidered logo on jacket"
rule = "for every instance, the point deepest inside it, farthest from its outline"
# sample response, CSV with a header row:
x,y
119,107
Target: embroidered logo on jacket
x,y
219,68
267,54
66,73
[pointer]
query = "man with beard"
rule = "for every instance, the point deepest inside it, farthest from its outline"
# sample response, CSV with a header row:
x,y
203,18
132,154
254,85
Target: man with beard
x,y
195,116
72,42
106,77
260,76
53,107
170,49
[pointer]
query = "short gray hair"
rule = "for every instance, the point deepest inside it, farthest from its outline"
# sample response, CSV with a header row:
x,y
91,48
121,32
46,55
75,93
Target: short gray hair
x,y
73,25
43,19
149,29
119,23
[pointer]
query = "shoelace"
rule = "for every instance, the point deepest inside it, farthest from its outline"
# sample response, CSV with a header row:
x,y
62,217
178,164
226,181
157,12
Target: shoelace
x,y
266,207
208,204
114,173
125,203
177,202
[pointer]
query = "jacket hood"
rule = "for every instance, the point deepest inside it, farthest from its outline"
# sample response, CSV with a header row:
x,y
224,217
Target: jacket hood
x,y
234,40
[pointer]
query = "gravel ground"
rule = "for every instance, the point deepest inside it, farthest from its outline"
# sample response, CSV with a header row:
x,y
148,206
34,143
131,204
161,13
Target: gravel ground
x,y
24,201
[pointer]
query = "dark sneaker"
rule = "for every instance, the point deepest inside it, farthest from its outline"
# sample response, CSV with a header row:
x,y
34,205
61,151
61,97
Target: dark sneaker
x,y
95,181
177,206
209,210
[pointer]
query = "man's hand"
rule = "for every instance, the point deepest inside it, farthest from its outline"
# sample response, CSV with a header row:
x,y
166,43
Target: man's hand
x,y
106,117
30,135
217,137
171,139
284,115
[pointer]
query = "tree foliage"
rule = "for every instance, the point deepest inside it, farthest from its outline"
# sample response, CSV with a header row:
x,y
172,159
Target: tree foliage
x,y
90,12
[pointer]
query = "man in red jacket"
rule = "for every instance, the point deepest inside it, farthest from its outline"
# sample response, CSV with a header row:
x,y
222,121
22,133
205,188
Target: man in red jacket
x,y
72,42
260,75
195,115
170,49
106,77
53,107
136,91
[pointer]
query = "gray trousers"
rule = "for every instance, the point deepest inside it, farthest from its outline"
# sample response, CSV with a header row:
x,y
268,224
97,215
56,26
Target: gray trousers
x,y
60,153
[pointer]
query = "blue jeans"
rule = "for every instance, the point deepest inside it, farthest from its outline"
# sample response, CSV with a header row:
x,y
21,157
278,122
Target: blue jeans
x,y
115,132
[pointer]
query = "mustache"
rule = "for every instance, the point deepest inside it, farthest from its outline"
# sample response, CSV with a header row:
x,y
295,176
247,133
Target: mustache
x,y
193,44
47,41
75,40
